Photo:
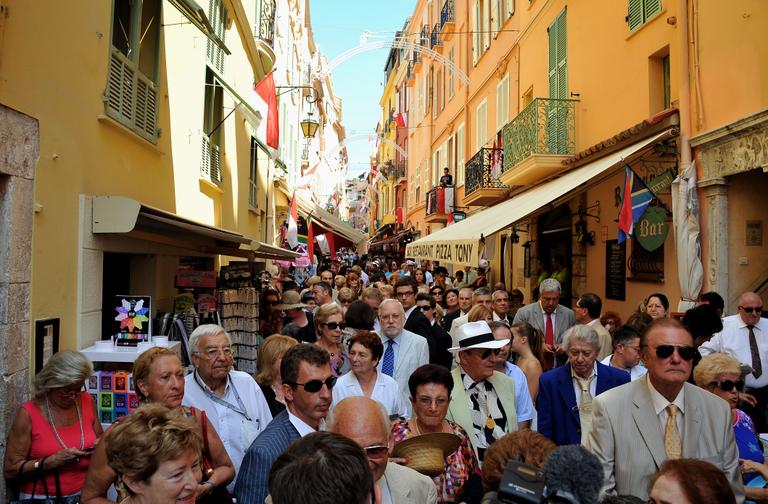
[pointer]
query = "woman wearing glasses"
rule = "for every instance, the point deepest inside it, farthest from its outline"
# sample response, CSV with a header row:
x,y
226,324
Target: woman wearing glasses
x,y
438,293
159,378
363,379
53,435
430,387
721,374
329,324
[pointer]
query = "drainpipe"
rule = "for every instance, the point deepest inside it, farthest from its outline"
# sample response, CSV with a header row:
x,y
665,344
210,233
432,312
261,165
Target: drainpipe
x,y
685,84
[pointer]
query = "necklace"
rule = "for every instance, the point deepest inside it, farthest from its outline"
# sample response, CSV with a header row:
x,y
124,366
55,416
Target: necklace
x,y
53,426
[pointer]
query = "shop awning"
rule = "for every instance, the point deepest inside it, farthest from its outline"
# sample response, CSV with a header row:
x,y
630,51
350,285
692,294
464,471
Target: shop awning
x,y
122,215
329,222
459,243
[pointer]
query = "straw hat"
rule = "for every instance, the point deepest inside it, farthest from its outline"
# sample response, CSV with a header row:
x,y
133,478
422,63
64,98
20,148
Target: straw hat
x,y
427,453
291,300
476,335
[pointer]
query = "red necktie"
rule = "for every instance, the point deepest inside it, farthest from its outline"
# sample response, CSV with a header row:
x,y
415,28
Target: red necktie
x,y
549,339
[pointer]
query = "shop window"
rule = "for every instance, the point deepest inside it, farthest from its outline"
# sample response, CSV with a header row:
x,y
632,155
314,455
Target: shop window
x,y
641,11
131,92
210,166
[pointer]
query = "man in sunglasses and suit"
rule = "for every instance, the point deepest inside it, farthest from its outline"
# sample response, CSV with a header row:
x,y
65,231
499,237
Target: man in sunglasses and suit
x,y
638,426
745,336
482,399
307,383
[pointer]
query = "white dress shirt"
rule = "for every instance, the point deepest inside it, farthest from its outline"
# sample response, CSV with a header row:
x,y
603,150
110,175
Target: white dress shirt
x,y
496,318
660,404
385,390
635,372
734,340
301,426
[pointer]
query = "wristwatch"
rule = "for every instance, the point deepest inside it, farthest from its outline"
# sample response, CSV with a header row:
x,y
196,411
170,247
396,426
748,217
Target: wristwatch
x,y
38,464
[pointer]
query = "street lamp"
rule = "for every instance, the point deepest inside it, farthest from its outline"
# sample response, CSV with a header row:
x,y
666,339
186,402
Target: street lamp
x,y
309,126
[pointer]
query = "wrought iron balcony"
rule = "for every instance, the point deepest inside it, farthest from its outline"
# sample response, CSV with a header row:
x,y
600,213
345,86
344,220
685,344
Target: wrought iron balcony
x,y
545,126
265,27
399,171
448,14
482,177
440,203
435,40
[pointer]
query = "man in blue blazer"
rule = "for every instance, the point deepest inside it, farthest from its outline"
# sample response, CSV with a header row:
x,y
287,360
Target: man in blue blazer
x,y
307,384
565,395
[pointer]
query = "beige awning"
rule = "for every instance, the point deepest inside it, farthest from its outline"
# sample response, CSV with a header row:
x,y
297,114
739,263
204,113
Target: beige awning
x,y
325,219
459,243
122,215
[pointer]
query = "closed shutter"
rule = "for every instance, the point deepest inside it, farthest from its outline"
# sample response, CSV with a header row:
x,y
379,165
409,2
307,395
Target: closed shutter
x,y
650,8
120,88
558,58
460,155
496,15
635,14
476,35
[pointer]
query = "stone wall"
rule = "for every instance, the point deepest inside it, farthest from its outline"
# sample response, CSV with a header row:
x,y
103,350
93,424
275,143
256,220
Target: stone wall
x,y
19,151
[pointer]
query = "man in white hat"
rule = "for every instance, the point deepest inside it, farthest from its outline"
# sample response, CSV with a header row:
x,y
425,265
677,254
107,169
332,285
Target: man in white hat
x,y
482,400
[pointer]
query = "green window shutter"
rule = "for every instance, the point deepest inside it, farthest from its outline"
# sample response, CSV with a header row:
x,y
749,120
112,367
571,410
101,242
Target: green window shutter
x,y
635,14
651,7
562,57
552,66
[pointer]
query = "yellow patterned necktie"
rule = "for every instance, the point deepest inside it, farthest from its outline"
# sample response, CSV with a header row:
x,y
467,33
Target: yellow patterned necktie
x,y
672,443
585,406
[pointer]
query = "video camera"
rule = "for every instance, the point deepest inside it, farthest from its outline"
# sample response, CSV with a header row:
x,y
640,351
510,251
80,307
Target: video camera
x,y
525,484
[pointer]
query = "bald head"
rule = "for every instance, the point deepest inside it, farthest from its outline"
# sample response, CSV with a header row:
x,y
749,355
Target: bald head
x,y
750,308
365,422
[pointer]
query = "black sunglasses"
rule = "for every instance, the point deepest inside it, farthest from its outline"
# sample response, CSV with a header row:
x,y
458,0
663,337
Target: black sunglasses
x,y
728,385
488,352
750,309
313,386
685,352
376,451
335,325
425,308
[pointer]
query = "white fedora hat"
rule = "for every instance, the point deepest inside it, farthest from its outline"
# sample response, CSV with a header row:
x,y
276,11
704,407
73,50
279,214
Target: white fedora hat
x,y
476,335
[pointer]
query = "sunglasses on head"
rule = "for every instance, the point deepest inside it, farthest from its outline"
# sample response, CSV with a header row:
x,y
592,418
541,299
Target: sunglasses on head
x,y
487,353
685,352
313,386
750,309
336,325
728,385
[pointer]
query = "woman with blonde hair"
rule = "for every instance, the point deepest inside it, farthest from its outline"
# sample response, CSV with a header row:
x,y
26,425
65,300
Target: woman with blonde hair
x,y
52,437
268,370
480,312
329,325
345,297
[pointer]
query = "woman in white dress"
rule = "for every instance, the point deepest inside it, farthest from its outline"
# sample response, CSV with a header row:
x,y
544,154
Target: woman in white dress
x,y
363,380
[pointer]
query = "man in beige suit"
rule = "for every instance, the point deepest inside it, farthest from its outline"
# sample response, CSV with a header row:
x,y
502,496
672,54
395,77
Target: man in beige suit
x,y
637,426
365,422
587,311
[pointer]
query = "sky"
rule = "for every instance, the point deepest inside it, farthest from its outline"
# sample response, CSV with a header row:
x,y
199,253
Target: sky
x,y
337,26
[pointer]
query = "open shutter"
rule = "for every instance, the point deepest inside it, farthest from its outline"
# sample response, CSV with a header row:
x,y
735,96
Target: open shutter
x,y
562,57
476,35
650,8
495,15
120,88
146,108
635,14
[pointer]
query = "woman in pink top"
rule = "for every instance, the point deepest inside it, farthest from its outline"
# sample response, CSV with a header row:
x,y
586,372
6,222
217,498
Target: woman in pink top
x,y
53,435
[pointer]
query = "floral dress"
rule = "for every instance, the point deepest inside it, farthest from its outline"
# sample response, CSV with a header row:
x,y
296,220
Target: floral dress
x,y
460,465
747,442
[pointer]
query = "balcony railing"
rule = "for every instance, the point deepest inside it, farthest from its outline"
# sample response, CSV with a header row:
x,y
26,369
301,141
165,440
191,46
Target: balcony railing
x,y
447,15
545,126
399,171
424,38
483,170
440,200
265,29
435,40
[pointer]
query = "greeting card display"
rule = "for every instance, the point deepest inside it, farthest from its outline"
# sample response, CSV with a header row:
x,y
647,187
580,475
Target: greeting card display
x,y
132,322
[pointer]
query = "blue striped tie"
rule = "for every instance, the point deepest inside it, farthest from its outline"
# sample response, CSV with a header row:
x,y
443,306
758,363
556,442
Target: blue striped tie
x,y
388,363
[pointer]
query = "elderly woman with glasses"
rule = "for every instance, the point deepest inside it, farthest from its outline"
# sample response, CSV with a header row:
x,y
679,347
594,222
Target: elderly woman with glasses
x,y
329,324
430,387
721,374
53,435
365,351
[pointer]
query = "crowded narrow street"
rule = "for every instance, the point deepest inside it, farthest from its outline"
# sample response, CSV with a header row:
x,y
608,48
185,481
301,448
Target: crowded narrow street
x,y
405,252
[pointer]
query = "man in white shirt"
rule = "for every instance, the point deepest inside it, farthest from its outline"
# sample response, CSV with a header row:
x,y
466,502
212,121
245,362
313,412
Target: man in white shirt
x,y
307,383
500,306
626,352
745,336
638,426
232,400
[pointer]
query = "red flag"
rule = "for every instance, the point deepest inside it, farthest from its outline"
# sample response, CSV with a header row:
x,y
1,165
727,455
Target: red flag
x,y
400,215
400,120
310,241
266,90
331,244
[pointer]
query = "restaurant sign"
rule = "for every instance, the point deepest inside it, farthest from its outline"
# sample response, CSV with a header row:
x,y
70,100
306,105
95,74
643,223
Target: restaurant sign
x,y
464,252
651,230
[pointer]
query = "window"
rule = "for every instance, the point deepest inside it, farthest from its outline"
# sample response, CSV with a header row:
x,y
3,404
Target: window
x,y
451,59
658,81
481,125
217,15
131,91
210,166
460,155
640,11
253,177
502,102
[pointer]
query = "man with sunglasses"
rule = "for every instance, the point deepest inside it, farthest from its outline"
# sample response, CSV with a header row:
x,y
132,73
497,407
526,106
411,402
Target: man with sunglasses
x,y
427,305
566,393
638,426
365,422
745,336
415,321
307,383
482,399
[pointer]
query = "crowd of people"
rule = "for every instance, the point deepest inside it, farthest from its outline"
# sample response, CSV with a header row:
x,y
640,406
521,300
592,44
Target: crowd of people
x,y
399,383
